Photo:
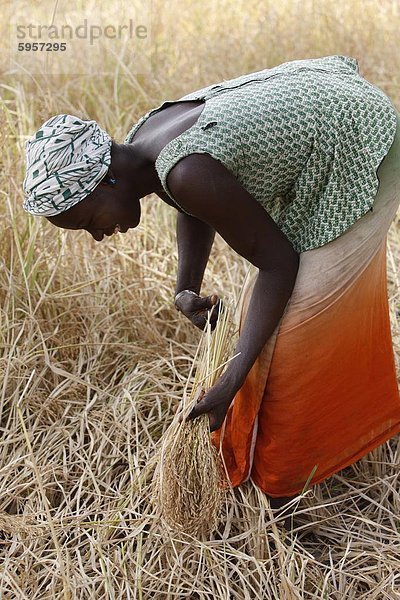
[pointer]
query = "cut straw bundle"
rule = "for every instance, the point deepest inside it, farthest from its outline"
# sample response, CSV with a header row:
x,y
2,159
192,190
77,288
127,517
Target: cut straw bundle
x,y
189,482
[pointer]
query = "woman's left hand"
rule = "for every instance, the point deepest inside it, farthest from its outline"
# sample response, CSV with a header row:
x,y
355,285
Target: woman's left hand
x,y
215,402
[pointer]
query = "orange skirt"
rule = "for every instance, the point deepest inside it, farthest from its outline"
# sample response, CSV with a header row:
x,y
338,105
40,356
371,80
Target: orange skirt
x,y
323,392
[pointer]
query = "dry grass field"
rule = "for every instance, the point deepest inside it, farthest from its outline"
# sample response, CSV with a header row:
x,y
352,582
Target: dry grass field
x,y
94,357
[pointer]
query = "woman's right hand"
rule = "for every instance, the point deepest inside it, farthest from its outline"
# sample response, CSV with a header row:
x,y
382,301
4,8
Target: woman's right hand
x,y
196,308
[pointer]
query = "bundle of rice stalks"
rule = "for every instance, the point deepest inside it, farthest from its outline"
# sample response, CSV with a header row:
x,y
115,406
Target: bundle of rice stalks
x,y
190,481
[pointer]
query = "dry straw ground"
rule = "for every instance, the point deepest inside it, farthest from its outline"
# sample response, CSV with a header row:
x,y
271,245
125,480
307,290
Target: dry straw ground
x,y
94,357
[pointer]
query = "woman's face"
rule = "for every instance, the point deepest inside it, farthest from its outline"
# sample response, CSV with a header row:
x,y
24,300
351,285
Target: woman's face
x,y
105,210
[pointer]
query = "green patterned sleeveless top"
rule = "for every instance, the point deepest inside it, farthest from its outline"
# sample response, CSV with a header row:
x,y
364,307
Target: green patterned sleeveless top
x,y
305,138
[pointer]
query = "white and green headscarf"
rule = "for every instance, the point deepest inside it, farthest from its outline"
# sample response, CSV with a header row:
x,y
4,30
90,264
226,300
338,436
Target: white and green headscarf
x,y
65,160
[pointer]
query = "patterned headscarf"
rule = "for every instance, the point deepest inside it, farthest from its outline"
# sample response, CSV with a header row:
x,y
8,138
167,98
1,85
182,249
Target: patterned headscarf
x,y
65,160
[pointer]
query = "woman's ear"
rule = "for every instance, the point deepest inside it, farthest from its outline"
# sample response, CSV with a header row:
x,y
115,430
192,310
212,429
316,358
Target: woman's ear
x,y
109,178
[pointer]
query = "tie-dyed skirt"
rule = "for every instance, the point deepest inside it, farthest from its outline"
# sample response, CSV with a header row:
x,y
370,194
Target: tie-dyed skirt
x,y
323,392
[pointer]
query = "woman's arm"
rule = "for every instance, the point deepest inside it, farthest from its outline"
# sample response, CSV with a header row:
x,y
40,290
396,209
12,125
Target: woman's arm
x,y
206,189
271,293
194,239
